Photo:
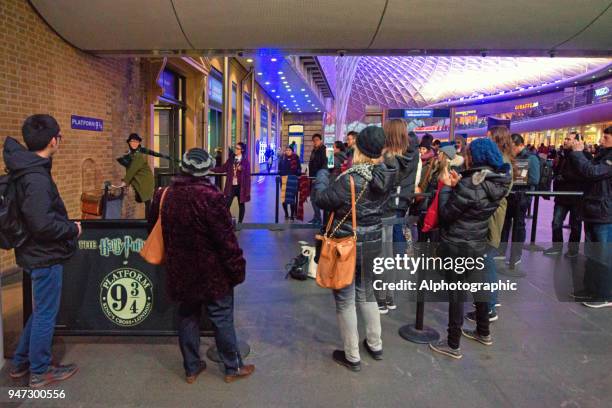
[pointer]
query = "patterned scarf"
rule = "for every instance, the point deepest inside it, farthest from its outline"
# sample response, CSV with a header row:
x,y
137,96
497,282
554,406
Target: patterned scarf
x,y
364,170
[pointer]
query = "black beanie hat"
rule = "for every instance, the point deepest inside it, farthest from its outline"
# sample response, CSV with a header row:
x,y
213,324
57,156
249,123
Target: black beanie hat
x,y
38,130
133,136
370,141
426,141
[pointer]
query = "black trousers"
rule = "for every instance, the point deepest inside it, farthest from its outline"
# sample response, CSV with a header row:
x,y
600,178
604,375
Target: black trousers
x,y
516,212
235,192
560,212
293,209
147,209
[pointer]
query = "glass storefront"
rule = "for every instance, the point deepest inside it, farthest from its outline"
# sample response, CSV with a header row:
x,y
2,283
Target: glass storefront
x,y
234,101
169,122
215,114
246,117
263,134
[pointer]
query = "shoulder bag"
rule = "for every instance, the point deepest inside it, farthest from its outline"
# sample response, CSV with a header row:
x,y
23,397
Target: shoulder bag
x,y
336,267
153,250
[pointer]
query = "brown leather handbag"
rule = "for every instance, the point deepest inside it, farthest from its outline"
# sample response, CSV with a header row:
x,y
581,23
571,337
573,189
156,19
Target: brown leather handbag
x,y
336,267
153,250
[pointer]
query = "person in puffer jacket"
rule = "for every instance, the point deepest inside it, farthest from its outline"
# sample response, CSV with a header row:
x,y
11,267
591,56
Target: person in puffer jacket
x,y
465,205
371,174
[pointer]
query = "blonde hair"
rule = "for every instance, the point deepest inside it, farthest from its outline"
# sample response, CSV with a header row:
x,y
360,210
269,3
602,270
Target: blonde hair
x,y
360,158
396,136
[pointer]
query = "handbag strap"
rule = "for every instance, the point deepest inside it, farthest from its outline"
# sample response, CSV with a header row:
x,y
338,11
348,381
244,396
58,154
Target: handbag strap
x,y
161,201
353,211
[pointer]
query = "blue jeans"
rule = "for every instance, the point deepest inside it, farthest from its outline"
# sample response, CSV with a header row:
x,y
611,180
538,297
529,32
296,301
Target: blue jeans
x,y
37,336
398,229
489,263
221,314
315,210
598,270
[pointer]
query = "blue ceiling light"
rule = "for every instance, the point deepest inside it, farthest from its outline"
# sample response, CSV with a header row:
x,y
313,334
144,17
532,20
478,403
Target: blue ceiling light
x,y
267,82
303,90
273,59
292,96
283,77
280,72
278,96
273,90
260,73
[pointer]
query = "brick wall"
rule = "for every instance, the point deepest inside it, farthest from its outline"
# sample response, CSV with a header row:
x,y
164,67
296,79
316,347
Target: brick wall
x,y
313,123
40,73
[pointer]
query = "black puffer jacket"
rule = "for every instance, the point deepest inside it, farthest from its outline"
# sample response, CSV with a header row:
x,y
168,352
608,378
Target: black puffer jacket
x,y
52,236
336,196
464,211
597,200
402,191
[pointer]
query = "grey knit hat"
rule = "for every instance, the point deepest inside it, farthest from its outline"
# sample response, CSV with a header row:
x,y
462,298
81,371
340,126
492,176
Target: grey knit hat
x,y
196,162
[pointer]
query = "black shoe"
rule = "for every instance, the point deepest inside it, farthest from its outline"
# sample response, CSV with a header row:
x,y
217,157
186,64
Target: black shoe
x,y
442,347
552,251
391,304
19,371
474,335
376,355
340,358
571,254
471,316
582,296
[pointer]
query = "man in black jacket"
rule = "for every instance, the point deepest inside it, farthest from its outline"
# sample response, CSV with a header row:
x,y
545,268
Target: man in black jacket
x,y
567,179
318,161
52,241
597,216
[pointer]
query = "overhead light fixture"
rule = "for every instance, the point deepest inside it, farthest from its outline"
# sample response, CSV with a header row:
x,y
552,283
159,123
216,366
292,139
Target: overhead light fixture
x,y
280,72
278,96
273,90
306,96
308,101
303,90
282,77
267,82
260,73
292,96
249,60
285,82
273,59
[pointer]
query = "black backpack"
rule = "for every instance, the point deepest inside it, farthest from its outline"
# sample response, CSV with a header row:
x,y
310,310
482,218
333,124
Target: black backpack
x,y
13,232
546,174
298,268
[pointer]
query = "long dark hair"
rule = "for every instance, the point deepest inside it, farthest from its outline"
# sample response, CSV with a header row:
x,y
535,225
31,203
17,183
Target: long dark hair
x,y
501,136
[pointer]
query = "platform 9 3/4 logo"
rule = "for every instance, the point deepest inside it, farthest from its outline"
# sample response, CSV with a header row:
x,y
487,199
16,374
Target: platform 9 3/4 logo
x,y
126,296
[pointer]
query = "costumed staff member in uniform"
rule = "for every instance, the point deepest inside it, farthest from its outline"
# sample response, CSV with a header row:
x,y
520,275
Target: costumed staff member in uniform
x,y
138,173
238,181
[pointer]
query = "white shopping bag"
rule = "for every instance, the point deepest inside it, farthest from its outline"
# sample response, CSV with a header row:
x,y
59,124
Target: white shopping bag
x,y
309,251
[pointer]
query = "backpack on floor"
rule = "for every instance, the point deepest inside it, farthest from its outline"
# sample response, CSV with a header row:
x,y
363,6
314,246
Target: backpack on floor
x,y
298,268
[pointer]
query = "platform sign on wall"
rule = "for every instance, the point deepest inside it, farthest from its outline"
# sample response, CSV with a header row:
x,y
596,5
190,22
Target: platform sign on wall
x,y
109,289
85,123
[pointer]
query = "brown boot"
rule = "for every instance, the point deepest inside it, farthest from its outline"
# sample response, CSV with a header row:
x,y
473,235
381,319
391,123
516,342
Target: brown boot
x,y
192,377
243,372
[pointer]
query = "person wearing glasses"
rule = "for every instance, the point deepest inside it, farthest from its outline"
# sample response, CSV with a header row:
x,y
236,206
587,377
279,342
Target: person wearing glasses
x,y
238,180
51,241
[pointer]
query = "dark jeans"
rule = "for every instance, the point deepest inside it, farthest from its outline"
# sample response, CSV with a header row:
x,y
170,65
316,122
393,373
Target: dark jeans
x,y
35,342
221,314
515,222
598,268
293,209
235,192
559,215
398,229
147,209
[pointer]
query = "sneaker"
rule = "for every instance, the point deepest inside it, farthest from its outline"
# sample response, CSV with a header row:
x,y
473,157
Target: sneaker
x,y
552,251
597,305
192,377
382,308
243,372
53,374
19,371
376,355
340,358
571,254
474,335
391,305
471,316
442,347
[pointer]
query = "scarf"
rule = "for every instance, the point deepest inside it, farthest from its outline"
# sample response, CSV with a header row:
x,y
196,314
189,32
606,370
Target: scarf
x,y
364,170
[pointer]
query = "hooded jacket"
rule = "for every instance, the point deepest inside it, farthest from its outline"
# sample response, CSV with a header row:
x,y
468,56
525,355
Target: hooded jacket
x,y
336,196
465,210
52,236
597,199
402,191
